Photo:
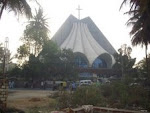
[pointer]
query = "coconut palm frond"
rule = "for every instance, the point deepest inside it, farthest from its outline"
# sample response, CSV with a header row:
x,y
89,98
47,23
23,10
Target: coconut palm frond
x,y
19,7
124,2
136,39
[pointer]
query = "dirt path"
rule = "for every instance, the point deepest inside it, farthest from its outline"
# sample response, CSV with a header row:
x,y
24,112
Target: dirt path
x,y
28,99
22,94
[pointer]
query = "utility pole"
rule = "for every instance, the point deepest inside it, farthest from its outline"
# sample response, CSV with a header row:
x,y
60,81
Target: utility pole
x,y
3,80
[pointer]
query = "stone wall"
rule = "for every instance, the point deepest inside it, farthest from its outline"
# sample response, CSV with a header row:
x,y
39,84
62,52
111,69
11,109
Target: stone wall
x,y
3,93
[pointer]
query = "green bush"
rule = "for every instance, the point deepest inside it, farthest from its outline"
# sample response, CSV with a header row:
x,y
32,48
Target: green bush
x,y
138,96
88,95
121,95
117,95
64,100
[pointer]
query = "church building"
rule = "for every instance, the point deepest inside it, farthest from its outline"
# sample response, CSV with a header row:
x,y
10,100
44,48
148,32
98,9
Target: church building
x,y
83,37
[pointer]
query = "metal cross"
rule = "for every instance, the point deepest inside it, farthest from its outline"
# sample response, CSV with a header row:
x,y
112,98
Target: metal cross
x,y
78,11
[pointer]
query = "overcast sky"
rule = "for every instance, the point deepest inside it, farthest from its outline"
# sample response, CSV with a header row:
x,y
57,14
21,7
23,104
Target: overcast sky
x,y
104,13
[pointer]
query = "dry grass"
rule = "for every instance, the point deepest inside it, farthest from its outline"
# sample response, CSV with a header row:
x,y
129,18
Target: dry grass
x,y
27,103
26,100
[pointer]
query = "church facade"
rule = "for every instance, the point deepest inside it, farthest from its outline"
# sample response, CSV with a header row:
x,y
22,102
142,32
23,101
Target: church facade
x,y
83,37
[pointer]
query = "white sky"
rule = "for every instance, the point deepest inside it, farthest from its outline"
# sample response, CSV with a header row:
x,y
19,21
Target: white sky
x,y
105,14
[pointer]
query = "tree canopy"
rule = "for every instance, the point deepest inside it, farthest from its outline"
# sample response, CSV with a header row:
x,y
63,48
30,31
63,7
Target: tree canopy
x,y
36,32
17,6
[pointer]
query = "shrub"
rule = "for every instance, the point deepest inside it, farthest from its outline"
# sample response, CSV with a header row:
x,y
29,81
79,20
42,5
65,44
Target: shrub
x,y
54,95
88,95
121,95
64,100
117,94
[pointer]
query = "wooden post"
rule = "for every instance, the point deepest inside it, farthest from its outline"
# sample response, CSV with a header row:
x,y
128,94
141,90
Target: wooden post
x,y
3,93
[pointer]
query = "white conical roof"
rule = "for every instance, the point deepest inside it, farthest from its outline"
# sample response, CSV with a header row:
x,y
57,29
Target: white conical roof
x,y
81,40
83,36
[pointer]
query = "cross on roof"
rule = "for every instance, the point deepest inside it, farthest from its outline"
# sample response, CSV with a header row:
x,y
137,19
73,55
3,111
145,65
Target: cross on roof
x,y
78,11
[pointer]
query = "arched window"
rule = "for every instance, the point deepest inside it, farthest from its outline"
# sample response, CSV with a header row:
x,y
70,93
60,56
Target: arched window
x,y
99,63
80,61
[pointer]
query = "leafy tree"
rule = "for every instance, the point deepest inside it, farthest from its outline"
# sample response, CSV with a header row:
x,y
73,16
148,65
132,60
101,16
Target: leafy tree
x,y
127,63
140,16
44,65
50,53
33,68
36,32
68,65
17,6
50,63
23,52
15,72
49,57
123,60
57,64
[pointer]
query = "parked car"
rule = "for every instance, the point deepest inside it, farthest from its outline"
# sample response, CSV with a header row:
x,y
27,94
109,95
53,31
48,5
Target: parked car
x,y
85,82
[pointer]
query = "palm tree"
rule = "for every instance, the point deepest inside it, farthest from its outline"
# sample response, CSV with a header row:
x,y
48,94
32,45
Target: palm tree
x,y
36,32
17,6
140,16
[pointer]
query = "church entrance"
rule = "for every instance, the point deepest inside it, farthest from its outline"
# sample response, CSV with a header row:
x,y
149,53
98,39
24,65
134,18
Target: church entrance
x,y
81,60
99,63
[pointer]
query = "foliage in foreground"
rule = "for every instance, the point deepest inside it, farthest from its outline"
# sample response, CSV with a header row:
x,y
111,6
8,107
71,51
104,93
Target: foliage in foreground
x,y
82,96
125,96
117,95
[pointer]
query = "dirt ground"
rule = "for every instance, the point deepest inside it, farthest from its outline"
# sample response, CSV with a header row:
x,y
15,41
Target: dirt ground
x,y
27,99
19,94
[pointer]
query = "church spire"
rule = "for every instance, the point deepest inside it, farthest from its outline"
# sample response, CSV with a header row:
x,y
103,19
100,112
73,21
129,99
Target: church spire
x,y
79,9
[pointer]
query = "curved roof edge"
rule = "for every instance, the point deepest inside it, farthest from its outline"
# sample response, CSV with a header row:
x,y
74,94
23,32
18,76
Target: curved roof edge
x,y
98,35
64,30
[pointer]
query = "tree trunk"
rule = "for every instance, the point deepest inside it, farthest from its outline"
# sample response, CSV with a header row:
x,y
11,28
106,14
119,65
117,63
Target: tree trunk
x,y
147,67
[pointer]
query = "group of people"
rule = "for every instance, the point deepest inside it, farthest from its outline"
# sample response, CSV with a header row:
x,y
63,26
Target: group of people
x,y
65,86
72,86
56,85
11,84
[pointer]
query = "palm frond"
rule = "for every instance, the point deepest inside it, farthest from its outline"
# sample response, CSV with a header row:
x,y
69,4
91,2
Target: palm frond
x,y
19,7
124,2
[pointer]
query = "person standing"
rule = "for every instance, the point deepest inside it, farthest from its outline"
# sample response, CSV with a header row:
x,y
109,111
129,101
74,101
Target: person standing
x,y
64,85
12,84
42,84
73,86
